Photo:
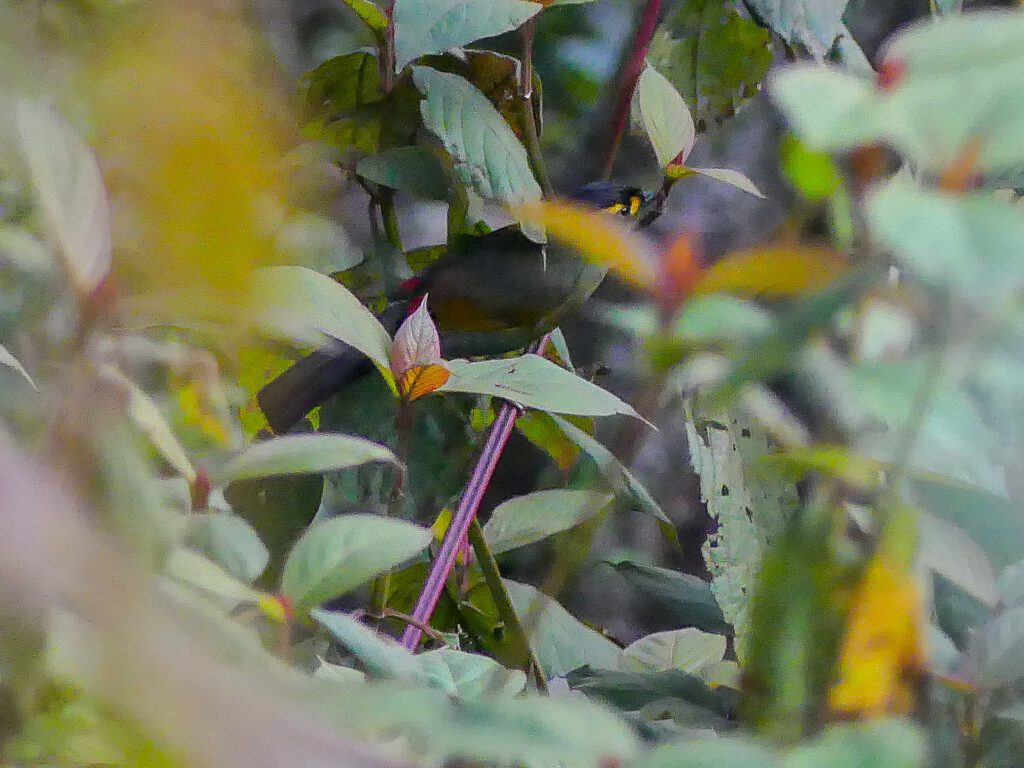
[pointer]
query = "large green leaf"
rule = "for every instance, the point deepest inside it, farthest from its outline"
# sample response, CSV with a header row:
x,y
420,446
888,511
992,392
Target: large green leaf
x,y
684,598
812,24
730,752
971,245
69,191
665,117
192,569
535,516
891,743
487,155
633,690
559,640
410,169
302,455
433,26
337,98
750,508
689,650
713,56
229,541
338,555
379,654
468,676
302,304
534,382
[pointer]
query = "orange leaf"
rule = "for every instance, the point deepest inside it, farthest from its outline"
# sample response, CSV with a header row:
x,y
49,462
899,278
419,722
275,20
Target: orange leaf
x,y
421,380
882,652
598,237
780,271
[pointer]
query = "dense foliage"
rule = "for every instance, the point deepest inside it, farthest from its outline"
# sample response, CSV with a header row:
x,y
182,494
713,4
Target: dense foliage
x,y
182,585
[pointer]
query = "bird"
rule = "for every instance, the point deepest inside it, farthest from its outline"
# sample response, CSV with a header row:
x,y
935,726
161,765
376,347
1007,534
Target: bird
x,y
489,295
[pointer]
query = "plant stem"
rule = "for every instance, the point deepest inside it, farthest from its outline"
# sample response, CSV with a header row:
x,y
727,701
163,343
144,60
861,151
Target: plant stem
x,y
455,536
387,51
524,656
531,139
627,83
403,428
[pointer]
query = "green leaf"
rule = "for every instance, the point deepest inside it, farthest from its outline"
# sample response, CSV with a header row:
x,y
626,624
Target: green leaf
x,y
6,358
891,743
621,480
381,655
995,652
812,24
415,170
1011,585
468,676
713,56
720,318
633,690
665,117
302,455
971,245
849,117
192,569
685,598
299,300
69,190
815,175
487,155
535,516
433,26
229,541
726,752
560,641
730,177
338,555
370,14
950,552
534,382
688,650
340,100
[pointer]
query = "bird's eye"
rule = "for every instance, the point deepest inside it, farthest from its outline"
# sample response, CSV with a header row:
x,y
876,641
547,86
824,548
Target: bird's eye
x,y
625,211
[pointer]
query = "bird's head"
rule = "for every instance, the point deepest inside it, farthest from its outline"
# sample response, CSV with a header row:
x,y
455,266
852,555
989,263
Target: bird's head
x,y
620,199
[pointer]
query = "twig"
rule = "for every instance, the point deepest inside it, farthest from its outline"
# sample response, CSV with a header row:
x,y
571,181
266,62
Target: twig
x,y
627,84
531,139
455,537
525,657
387,51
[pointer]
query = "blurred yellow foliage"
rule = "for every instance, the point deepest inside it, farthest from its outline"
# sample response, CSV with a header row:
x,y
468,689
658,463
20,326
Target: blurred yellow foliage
x,y
882,652
779,271
191,140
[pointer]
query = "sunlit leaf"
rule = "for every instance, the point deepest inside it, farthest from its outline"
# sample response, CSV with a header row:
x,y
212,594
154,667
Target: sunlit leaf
x,y
432,26
417,343
773,272
6,358
340,554
69,190
665,117
370,14
534,382
597,236
488,156
301,303
421,380
302,454
730,177
689,650
525,519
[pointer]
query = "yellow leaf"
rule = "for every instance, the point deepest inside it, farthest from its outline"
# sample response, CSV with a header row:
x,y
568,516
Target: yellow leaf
x,y
421,380
598,237
782,271
882,652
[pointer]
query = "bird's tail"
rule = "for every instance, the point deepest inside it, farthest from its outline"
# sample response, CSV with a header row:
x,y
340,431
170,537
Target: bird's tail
x,y
317,377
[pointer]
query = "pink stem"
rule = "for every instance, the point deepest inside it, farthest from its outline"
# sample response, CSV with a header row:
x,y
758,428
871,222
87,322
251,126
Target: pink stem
x,y
630,74
469,504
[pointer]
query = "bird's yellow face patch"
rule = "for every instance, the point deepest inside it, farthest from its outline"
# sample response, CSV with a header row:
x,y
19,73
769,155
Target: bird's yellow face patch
x,y
617,208
634,204
626,209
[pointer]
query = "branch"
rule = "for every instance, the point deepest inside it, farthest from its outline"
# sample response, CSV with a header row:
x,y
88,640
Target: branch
x,y
627,84
531,139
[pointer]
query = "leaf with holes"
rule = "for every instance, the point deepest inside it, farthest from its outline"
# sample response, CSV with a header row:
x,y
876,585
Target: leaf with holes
x,y
812,24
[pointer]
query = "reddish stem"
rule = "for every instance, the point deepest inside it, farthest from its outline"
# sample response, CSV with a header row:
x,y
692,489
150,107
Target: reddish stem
x,y
469,504
627,84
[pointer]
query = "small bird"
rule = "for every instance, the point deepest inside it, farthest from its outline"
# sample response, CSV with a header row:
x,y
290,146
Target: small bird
x,y
489,295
